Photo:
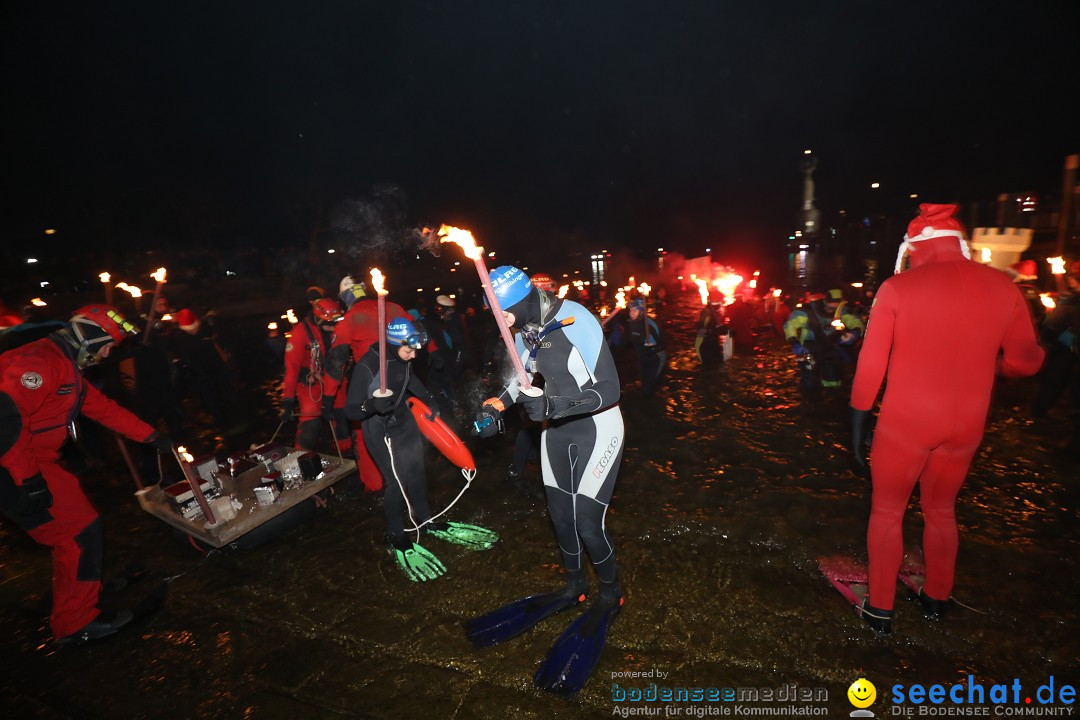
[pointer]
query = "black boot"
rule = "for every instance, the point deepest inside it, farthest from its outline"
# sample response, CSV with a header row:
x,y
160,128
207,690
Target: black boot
x,y
932,609
880,621
102,626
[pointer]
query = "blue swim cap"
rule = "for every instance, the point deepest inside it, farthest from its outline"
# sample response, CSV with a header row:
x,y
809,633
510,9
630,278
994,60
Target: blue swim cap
x,y
511,286
400,331
637,304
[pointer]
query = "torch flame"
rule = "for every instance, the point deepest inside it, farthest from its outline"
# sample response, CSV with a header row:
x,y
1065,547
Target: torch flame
x,y
188,457
38,302
986,254
726,282
644,289
603,312
291,316
134,291
703,290
1057,265
562,290
464,239
377,280
620,299
159,275
104,277
838,324
1047,301
777,292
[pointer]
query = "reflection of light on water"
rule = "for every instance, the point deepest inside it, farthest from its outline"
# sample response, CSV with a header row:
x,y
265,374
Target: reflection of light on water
x,y
800,265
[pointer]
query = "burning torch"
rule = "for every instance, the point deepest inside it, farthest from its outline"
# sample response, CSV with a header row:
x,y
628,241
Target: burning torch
x,y
620,303
644,289
1057,269
135,293
104,278
474,252
377,280
184,458
159,276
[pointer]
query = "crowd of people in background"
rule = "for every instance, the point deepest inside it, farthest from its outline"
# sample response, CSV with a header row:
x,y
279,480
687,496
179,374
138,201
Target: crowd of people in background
x,y
181,373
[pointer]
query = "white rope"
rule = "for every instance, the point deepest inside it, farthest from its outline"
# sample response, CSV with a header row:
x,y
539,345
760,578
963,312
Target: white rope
x,y
468,475
408,505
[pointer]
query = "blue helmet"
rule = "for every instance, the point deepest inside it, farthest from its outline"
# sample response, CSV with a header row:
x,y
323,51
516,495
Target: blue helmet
x,y
511,286
637,304
401,331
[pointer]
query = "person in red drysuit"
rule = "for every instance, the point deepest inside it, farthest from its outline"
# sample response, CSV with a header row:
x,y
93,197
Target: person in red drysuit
x,y
933,413
303,390
356,332
42,392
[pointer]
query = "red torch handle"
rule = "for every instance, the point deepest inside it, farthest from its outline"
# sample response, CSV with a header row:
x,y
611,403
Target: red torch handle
x,y
382,344
195,489
504,329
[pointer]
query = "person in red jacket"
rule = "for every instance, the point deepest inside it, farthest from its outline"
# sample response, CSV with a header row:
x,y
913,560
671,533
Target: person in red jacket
x,y
940,374
303,389
42,392
357,331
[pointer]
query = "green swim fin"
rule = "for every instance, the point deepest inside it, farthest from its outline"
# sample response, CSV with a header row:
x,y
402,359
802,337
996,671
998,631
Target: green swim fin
x,y
473,537
418,563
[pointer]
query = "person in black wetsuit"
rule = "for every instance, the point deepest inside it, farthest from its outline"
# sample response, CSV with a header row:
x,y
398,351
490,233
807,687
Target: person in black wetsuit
x,y
637,329
393,439
562,343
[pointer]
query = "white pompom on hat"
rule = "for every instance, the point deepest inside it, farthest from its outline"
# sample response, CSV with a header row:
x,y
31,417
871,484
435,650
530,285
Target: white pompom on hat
x,y
933,221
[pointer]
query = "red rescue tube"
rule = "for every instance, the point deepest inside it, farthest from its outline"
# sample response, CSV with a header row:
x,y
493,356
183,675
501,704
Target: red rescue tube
x,y
441,436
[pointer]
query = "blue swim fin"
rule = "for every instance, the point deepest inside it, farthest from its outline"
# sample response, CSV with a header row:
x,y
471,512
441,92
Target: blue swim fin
x,y
572,658
522,615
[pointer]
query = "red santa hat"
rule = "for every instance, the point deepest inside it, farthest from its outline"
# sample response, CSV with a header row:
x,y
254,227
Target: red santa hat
x,y
933,221
187,320
1024,270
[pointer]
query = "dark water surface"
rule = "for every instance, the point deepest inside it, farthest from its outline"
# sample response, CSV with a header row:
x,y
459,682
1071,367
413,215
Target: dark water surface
x,y
732,485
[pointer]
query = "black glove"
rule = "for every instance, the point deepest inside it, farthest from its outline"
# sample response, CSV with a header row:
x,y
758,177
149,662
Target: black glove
x,y
487,421
328,408
34,496
380,405
288,408
859,421
433,406
538,408
162,442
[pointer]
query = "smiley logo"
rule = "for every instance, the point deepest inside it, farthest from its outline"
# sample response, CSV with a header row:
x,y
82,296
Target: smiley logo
x,y
862,693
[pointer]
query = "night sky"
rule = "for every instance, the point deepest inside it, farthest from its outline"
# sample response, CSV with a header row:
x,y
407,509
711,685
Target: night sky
x,y
627,123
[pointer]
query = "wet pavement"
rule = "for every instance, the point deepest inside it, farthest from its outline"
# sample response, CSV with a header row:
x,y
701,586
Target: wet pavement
x,y
732,485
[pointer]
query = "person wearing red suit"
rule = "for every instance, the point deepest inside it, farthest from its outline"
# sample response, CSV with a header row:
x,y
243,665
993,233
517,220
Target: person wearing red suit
x,y
356,332
304,387
933,413
42,392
